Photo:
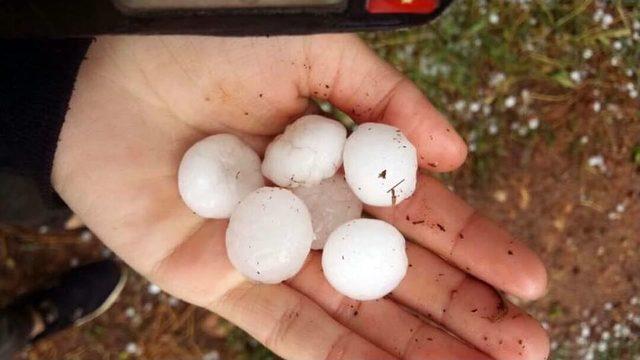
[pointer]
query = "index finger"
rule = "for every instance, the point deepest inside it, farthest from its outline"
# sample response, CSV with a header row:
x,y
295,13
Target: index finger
x,y
370,90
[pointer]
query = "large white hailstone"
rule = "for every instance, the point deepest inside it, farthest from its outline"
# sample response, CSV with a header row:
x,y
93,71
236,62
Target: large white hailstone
x,y
365,259
269,235
216,173
331,204
380,164
309,151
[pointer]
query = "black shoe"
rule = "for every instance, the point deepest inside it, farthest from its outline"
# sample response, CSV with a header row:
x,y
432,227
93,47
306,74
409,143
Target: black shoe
x,y
76,297
23,204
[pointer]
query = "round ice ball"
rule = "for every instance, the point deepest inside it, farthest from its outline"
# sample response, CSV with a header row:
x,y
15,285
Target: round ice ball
x,y
365,259
380,164
331,204
309,150
269,235
216,173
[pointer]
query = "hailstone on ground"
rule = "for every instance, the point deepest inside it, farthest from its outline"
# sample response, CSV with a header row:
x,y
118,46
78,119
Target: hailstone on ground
x,y
380,164
269,235
309,150
365,259
216,173
331,204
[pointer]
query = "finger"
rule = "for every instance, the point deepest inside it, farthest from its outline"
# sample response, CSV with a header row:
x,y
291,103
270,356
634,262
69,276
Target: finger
x,y
382,322
370,90
437,219
292,325
469,308
281,318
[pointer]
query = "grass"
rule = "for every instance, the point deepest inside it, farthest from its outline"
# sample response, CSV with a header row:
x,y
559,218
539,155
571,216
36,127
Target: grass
x,y
613,350
246,348
635,157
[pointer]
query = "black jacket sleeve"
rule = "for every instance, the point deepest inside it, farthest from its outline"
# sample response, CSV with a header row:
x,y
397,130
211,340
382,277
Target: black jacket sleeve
x,y
36,82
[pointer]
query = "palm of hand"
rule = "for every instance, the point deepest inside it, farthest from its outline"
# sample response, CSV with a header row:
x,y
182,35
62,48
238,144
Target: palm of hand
x,y
139,103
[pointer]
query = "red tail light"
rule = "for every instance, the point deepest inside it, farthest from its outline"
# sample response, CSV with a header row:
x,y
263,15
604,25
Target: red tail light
x,y
401,6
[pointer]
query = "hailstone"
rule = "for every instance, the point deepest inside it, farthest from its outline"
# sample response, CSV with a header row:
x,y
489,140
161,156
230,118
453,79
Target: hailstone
x,y
269,235
380,164
365,259
309,150
331,204
216,173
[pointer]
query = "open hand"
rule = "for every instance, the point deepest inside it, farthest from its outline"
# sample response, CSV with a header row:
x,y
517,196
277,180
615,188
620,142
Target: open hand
x,y
140,102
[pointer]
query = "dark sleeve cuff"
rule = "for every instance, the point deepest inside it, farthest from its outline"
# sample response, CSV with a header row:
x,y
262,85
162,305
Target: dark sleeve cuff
x,y
36,82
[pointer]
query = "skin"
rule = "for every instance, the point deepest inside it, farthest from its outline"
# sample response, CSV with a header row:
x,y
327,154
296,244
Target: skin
x,y
140,102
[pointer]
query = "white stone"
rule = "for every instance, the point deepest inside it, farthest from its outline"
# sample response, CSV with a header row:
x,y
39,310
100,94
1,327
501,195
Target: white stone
x,y
576,76
460,105
585,330
331,204
365,259
494,18
617,45
216,173
615,61
211,355
173,301
597,106
596,161
486,109
130,312
510,102
380,164
309,151
607,20
154,289
132,348
269,235
496,79
86,236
